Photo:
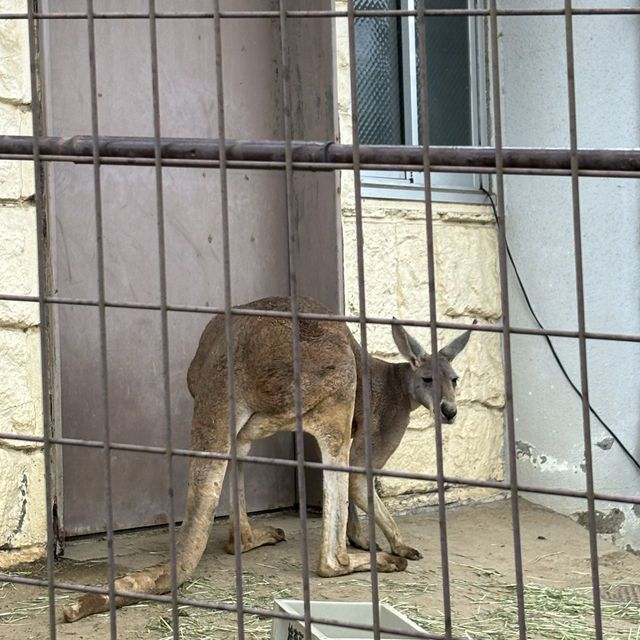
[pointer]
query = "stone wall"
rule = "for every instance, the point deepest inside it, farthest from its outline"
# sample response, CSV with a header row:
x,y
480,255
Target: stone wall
x,y
22,487
467,287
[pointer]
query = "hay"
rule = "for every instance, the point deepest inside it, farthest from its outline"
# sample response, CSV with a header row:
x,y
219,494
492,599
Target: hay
x,y
550,613
208,623
25,610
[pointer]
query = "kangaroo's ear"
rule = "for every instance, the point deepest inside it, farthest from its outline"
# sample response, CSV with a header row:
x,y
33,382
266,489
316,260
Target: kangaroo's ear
x,y
409,347
456,345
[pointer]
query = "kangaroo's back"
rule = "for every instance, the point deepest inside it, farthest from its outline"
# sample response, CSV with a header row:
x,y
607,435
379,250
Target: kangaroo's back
x,y
263,356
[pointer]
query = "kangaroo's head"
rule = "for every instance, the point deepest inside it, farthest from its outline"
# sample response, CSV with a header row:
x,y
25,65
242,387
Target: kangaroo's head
x,y
421,382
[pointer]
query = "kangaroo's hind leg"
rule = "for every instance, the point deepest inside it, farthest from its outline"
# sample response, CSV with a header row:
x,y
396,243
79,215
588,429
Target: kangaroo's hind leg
x,y
331,426
250,538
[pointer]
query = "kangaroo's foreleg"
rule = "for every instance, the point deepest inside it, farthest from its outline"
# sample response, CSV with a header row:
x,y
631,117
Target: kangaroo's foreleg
x,y
356,533
358,495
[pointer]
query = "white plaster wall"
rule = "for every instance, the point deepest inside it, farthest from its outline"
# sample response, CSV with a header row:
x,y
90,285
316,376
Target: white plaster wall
x,y
539,218
22,490
396,284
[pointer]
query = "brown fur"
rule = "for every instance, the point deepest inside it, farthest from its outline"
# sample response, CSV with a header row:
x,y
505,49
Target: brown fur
x,y
331,385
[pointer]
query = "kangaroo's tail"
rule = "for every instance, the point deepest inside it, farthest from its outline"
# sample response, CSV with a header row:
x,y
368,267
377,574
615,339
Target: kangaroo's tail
x,y
205,483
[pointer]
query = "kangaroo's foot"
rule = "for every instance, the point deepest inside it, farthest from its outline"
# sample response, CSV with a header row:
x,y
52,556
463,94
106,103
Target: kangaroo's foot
x,y
388,563
353,562
405,551
85,606
398,549
362,542
256,538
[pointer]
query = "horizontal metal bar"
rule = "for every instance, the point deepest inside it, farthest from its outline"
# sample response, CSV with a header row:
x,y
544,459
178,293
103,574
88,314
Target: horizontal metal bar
x,y
324,166
477,12
623,160
488,328
283,462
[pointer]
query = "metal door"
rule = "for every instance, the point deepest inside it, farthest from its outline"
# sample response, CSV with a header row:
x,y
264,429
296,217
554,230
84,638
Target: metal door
x,y
194,263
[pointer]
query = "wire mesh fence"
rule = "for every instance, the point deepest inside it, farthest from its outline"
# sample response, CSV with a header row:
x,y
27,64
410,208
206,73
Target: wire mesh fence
x,y
476,162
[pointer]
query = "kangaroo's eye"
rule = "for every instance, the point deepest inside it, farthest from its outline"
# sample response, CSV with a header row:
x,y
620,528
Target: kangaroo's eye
x,y
427,380
454,382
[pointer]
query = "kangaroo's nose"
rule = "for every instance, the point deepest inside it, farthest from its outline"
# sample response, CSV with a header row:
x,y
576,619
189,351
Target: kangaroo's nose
x,y
448,412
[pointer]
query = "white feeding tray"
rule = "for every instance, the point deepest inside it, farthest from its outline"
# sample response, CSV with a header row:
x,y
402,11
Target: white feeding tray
x,y
351,612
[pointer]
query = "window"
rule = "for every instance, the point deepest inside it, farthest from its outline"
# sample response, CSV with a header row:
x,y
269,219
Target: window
x,y
388,77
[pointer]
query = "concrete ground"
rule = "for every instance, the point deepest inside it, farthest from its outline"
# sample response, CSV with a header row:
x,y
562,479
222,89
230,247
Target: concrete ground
x,y
555,553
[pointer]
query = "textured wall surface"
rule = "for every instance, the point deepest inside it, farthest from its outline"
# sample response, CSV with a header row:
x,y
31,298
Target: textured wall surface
x,y
548,413
396,284
22,506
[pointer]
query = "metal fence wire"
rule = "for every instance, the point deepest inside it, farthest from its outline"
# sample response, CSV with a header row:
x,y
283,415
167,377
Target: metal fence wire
x,y
489,161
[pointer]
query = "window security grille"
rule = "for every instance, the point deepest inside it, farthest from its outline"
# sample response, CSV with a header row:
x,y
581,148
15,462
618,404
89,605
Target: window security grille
x,y
389,89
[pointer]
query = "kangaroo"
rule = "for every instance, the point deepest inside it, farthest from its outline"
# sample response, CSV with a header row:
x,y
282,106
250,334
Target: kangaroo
x,y
331,385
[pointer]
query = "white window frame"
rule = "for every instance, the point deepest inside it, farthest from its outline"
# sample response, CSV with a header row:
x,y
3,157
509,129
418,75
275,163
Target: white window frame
x,y
445,187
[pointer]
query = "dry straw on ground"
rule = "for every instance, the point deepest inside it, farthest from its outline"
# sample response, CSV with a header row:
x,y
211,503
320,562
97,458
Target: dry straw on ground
x,y
551,613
